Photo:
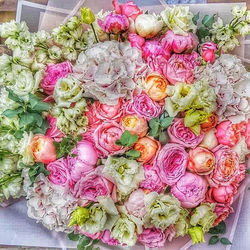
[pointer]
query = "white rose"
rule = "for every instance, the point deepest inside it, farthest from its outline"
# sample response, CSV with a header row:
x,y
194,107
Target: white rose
x,y
238,11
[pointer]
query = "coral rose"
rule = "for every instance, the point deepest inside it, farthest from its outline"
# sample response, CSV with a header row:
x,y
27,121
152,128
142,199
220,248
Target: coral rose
x,y
221,194
210,123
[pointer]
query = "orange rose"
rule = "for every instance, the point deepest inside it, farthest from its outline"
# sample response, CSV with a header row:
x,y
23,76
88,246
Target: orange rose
x,y
147,147
156,86
43,149
135,125
210,122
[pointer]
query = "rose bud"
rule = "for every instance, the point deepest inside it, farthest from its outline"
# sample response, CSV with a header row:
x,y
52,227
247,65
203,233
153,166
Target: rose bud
x,y
201,161
43,149
222,194
156,86
210,123
208,56
135,125
147,147
190,190
209,141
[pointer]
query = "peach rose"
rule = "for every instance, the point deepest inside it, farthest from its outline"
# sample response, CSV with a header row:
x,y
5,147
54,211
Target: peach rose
x,y
210,122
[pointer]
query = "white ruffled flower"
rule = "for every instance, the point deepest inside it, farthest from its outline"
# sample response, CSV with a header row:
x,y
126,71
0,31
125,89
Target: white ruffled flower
x,y
54,52
243,28
8,29
5,62
25,150
239,11
69,53
248,16
22,57
40,37
13,189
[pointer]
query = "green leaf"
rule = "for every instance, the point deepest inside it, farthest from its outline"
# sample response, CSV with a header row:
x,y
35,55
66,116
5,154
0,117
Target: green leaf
x,y
18,134
83,242
42,129
155,127
219,229
225,241
133,153
127,139
207,21
26,119
74,237
166,122
65,146
213,240
11,113
248,171
163,137
196,18
38,105
35,170
202,32
12,96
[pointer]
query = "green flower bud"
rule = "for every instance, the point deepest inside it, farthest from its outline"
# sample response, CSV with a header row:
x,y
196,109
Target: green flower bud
x,y
196,234
79,216
87,15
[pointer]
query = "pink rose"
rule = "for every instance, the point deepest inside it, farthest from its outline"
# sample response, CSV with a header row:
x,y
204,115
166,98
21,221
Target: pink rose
x,y
53,131
179,43
247,134
96,236
152,181
108,240
136,40
105,136
241,175
208,56
114,23
180,67
135,204
60,173
52,74
156,56
208,46
190,190
226,166
171,162
221,194
222,211
129,9
180,134
144,107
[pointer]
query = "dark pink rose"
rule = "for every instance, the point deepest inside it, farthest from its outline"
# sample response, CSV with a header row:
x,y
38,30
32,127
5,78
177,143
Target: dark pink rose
x,y
52,74
136,40
180,134
53,131
222,211
144,107
171,162
108,240
208,56
208,46
180,67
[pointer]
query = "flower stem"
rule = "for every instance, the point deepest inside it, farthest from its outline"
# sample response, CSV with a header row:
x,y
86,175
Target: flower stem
x,y
92,26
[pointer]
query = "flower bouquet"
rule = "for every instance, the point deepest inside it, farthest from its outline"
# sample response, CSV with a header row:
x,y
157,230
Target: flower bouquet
x,y
125,126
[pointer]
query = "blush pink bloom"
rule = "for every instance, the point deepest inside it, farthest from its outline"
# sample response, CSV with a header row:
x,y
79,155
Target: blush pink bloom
x,y
178,43
135,204
208,46
143,106
180,67
226,166
96,236
54,72
53,131
105,136
228,133
129,9
222,211
136,40
182,135
108,240
190,190
114,23
152,181
221,194
171,162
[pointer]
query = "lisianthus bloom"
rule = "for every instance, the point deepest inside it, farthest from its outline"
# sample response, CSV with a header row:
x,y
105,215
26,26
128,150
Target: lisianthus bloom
x,y
226,166
222,211
209,141
156,86
135,125
228,133
171,162
209,123
135,203
114,23
152,181
179,43
201,161
203,216
182,224
162,210
197,234
54,72
144,107
129,9
147,147
190,190
182,135
147,25
136,40
53,131
107,239
43,149
180,67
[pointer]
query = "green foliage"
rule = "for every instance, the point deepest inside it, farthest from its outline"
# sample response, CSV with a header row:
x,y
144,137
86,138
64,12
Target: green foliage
x,y
219,229
213,240
133,154
127,139
84,242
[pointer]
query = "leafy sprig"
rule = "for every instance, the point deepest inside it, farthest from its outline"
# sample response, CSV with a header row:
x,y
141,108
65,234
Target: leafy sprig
x,y
127,139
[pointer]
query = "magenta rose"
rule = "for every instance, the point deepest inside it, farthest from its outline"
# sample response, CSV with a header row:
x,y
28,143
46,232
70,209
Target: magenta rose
x,y
227,166
108,240
144,107
190,190
180,67
53,131
180,134
179,43
54,72
60,173
152,180
172,162
136,40
105,136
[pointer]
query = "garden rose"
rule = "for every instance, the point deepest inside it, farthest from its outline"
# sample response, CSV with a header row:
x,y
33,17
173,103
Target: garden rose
x,y
105,136
210,123
129,9
201,161
221,194
209,141
53,131
144,107
222,211
135,203
180,67
247,134
156,86
171,162
43,149
182,135
136,40
226,166
147,147
208,46
114,23
152,181
106,238
190,190
208,56
135,125
241,175
54,72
